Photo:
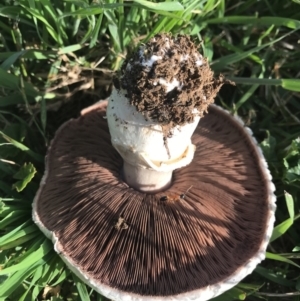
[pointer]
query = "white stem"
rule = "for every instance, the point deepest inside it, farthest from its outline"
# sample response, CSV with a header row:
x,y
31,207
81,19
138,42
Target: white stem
x,y
149,161
146,180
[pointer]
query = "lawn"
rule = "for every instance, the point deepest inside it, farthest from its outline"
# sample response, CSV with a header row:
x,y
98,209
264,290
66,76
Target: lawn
x,y
59,56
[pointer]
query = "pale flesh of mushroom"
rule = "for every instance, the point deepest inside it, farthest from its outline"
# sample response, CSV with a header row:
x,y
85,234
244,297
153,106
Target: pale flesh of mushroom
x,y
156,104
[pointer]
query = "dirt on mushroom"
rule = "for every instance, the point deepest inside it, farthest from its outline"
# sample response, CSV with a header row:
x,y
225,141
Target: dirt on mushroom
x,y
178,62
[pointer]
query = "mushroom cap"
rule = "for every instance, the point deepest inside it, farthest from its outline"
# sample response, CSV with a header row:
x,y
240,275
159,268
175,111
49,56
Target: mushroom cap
x,y
193,241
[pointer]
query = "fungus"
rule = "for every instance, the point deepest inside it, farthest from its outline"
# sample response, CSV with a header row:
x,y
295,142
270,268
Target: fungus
x,y
125,208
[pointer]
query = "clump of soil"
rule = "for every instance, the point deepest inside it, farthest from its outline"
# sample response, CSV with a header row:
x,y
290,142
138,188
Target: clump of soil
x,y
167,79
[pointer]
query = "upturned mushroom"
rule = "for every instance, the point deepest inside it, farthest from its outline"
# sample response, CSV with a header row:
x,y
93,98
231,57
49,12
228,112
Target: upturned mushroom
x,y
144,202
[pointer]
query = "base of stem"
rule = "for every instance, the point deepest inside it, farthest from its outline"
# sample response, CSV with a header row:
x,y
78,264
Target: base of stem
x,y
146,180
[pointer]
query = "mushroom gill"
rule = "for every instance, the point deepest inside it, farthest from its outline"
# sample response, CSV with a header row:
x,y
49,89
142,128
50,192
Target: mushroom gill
x,y
200,232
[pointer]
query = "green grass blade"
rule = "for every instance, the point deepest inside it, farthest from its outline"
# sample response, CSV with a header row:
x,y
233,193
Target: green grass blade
x,y
43,114
11,99
95,33
16,279
263,21
56,268
12,59
163,6
233,294
12,82
35,13
247,95
20,241
280,229
7,190
20,231
11,217
22,147
81,288
70,49
51,14
290,204
280,258
288,84
274,277
36,276
291,84
43,250
65,273
236,57
30,54
256,81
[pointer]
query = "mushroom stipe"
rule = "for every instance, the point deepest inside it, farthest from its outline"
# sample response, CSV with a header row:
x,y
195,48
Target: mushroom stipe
x,y
192,249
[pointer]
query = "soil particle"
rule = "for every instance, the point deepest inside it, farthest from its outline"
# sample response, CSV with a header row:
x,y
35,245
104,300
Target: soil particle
x,y
167,79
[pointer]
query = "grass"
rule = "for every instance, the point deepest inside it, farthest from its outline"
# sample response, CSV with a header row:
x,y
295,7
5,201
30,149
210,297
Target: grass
x,y
58,56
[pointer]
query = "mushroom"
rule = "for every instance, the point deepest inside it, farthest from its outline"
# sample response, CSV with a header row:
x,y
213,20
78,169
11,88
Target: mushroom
x,y
125,208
